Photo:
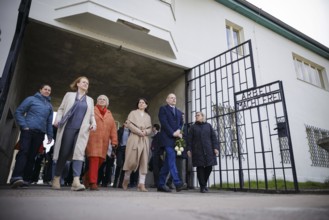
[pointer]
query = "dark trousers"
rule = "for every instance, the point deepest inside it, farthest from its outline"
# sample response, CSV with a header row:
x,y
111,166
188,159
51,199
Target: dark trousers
x,y
105,172
47,169
156,166
66,152
169,166
203,174
30,142
37,167
119,173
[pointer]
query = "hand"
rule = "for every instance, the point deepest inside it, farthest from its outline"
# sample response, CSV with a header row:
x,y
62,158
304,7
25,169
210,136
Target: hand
x,y
26,129
56,124
49,140
216,152
177,134
189,153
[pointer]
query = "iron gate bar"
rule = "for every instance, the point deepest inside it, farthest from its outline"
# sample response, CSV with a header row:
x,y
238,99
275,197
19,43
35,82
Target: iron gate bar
x,y
291,153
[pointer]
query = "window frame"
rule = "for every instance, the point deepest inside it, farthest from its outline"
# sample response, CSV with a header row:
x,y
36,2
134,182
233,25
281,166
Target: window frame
x,y
234,35
310,72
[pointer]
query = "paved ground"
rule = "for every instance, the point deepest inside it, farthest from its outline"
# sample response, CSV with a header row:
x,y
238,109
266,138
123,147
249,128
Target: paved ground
x,y
40,202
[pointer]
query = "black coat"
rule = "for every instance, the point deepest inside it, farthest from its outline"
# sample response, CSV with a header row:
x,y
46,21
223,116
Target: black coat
x,y
202,141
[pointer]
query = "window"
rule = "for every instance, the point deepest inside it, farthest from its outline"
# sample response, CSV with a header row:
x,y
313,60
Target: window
x,y
319,156
233,34
227,129
310,72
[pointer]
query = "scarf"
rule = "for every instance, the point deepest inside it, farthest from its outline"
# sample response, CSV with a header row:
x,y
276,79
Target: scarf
x,y
71,111
101,109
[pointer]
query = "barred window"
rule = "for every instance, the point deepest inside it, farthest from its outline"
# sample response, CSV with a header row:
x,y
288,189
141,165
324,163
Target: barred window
x,y
319,156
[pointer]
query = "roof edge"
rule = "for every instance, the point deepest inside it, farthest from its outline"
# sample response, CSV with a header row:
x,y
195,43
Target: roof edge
x,y
263,18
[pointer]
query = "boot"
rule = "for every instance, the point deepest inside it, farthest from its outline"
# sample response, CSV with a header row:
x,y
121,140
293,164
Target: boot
x,y
76,185
56,182
141,188
85,180
125,184
94,187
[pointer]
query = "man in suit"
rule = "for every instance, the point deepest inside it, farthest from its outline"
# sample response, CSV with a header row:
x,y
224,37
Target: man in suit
x,y
171,122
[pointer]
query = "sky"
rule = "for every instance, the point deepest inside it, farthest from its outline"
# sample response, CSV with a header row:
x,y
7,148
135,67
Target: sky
x,y
310,17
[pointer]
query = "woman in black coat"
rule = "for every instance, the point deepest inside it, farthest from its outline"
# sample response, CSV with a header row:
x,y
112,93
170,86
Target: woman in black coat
x,y
203,147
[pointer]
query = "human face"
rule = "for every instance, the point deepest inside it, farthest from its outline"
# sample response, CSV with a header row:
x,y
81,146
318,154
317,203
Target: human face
x,y
101,101
171,99
83,84
142,105
45,91
199,117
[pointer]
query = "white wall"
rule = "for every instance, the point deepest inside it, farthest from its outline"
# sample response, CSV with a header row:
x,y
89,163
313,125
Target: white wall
x,y
8,20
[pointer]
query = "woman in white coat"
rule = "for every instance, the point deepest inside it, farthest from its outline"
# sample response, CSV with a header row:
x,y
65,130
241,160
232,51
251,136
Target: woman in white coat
x,y
74,120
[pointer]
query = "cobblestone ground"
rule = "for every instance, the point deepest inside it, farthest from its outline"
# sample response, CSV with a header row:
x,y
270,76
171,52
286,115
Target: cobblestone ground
x,y
41,202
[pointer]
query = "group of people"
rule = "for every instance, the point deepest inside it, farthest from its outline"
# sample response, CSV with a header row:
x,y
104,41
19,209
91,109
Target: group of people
x,y
88,131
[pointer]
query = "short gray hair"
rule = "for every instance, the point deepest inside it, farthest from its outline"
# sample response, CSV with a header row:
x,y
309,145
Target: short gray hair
x,y
106,99
203,116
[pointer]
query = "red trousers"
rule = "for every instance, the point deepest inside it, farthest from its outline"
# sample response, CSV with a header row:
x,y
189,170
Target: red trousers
x,y
92,172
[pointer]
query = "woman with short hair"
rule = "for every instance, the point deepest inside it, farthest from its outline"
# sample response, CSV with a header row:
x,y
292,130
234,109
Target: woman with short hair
x,y
203,147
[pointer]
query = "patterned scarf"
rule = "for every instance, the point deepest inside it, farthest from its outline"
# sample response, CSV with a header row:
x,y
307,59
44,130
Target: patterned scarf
x,y
71,111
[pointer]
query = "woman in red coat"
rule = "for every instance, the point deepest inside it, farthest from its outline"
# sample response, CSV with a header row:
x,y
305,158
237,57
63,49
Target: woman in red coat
x,y
99,141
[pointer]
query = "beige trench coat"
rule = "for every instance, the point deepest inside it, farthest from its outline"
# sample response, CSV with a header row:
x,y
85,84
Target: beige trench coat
x,y
88,120
138,147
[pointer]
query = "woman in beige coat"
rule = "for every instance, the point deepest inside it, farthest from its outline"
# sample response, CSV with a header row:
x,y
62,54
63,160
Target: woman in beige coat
x,y
74,120
98,143
138,144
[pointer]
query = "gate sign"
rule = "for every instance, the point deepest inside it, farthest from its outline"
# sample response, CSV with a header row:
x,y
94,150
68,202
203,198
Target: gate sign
x,y
262,95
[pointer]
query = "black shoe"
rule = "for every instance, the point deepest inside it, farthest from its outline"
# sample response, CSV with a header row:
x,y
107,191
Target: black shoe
x,y
163,189
181,187
203,190
170,186
206,188
16,183
25,185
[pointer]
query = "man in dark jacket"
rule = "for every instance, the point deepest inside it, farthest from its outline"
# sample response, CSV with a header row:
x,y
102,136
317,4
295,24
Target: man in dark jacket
x,y
157,151
171,124
123,134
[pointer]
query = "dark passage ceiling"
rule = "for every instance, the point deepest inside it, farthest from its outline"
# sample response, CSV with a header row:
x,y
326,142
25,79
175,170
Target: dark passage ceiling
x,y
57,57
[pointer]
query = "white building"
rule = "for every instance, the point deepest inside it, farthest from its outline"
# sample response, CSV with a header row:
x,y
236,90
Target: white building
x,y
181,34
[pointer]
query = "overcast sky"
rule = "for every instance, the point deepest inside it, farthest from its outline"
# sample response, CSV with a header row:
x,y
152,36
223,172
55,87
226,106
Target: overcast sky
x,y
310,17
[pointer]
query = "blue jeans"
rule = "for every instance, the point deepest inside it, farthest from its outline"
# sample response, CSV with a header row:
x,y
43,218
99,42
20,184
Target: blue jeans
x,y
30,142
169,166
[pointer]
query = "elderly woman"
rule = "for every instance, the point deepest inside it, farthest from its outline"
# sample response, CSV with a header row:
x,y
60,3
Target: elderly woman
x,y
203,148
34,116
138,144
75,118
98,143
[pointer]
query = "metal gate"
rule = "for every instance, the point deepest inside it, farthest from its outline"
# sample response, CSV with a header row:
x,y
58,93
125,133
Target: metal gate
x,y
251,123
